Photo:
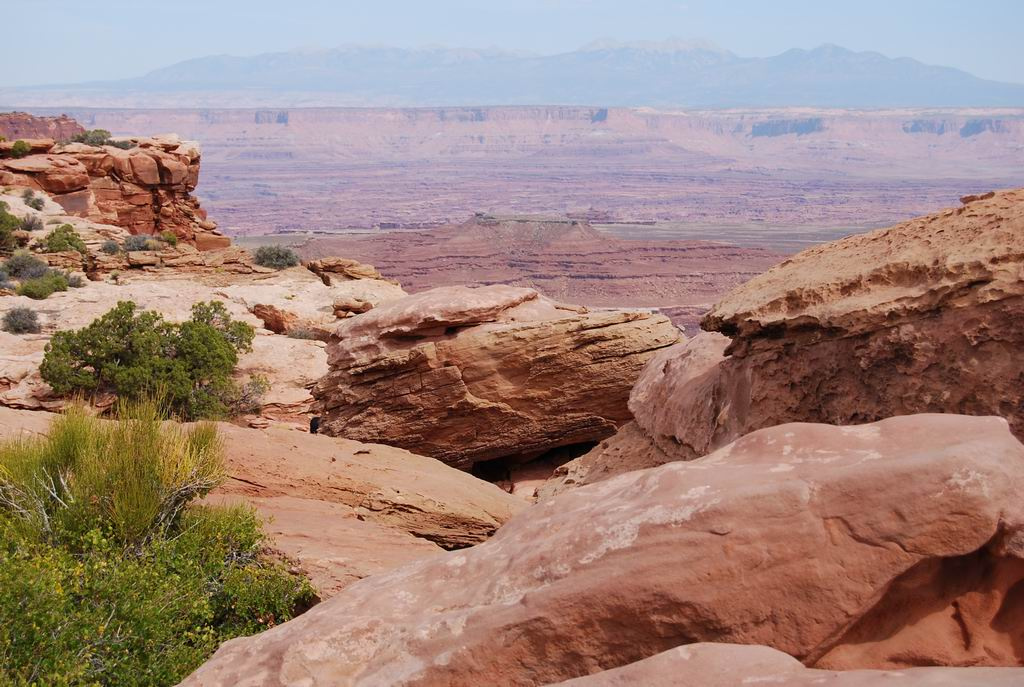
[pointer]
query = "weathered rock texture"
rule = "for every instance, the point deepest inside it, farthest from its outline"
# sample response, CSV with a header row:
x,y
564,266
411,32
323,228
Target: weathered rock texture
x,y
170,281
341,509
887,545
146,189
732,665
21,125
925,316
466,375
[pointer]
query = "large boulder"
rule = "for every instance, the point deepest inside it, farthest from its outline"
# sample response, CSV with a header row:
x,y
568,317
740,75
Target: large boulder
x,y
471,374
888,545
925,316
731,665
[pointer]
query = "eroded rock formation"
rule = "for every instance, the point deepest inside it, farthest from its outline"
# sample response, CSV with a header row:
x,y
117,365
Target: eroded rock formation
x,y
21,125
925,316
146,189
889,545
467,375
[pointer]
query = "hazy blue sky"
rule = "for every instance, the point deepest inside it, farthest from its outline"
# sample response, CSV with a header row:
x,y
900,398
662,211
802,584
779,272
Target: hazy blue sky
x,y
76,40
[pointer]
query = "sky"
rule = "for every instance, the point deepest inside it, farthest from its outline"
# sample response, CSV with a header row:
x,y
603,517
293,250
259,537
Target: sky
x,y
112,39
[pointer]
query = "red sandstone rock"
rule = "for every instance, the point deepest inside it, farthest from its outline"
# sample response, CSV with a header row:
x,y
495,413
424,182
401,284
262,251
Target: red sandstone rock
x,y
732,665
146,189
15,125
926,316
467,375
889,545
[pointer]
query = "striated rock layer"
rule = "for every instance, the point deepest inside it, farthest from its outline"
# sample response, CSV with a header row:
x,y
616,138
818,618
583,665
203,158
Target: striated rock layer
x,y
467,375
146,189
729,665
889,545
21,125
925,316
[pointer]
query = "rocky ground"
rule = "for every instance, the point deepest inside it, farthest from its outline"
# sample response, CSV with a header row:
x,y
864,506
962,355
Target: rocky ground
x,y
823,487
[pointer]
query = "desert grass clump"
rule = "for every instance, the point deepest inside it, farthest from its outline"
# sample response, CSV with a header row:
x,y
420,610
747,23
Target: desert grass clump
x,y
41,288
169,237
24,265
31,223
276,257
109,572
138,242
32,200
110,247
20,320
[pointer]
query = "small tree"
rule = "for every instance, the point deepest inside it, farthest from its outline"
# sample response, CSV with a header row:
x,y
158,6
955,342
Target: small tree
x,y
20,149
134,354
276,257
63,238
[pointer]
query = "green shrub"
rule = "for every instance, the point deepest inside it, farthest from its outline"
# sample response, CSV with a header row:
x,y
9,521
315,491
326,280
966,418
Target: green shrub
x,y
277,257
63,238
31,223
110,247
8,224
169,237
135,354
40,288
20,149
20,321
24,265
107,574
93,137
139,242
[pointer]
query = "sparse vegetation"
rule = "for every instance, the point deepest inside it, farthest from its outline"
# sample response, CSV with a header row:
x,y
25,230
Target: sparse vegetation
x,y
108,573
31,223
169,237
20,149
32,200
134,354
24,265
20,321
8,224
40,288
110,247
100,137
61,239
276,257
301,333
140,242
75,281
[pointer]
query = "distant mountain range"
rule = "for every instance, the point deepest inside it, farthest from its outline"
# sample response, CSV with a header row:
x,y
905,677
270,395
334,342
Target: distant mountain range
x,y
607,73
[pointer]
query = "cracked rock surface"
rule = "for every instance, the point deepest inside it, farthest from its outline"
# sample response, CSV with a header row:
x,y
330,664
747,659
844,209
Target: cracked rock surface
x,y
889,545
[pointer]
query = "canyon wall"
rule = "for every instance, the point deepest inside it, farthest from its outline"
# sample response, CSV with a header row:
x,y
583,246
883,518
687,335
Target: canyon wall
x,y
146,188
719,173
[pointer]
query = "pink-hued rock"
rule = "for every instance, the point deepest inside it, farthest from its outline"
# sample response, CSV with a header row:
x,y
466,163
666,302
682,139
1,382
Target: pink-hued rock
x,y
733,665
888,545
925,316
471,374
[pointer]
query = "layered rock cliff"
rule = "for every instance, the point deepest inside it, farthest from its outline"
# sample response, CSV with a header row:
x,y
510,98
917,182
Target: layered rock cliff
x,y
21,125
146,189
